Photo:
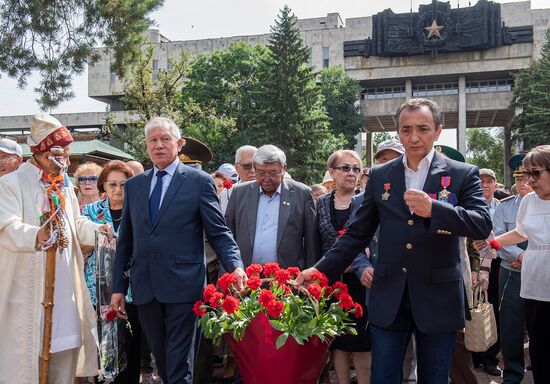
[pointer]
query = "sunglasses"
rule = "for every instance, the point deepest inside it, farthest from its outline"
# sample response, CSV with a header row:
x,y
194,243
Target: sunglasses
x,y
246,167
534,173
112,185
87,179
347,169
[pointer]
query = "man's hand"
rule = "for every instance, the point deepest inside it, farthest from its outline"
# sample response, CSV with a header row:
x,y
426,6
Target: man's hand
x,y
418,202
366,277
241,277
118,304
305,276
42,238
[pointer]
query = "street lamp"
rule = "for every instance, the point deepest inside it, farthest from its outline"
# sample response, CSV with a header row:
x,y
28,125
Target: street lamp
x,y
234,104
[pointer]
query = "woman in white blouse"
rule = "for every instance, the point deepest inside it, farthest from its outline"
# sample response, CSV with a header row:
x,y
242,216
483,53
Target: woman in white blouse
x,y
533,224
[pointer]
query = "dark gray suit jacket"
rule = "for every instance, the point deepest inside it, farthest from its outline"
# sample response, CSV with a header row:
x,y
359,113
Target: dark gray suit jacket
x,y
297,235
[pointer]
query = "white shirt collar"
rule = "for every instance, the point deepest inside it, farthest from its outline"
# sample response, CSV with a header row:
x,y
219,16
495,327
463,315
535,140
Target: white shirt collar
x,y
426,161
169,169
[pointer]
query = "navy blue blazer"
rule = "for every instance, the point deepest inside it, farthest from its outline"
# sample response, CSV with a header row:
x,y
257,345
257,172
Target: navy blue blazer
x,y
422,254
166,258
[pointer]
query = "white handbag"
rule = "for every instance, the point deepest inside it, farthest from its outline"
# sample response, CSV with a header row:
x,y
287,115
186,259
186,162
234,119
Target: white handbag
x,y
480,332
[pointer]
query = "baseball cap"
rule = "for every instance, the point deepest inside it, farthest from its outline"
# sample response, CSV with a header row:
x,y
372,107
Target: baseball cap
x,y
389,144
487,172
11,147
230,171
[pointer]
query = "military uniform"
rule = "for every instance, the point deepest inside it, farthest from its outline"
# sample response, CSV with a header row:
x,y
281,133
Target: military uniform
x,y
511,304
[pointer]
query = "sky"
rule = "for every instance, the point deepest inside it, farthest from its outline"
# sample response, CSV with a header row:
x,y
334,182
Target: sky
x,y
190,20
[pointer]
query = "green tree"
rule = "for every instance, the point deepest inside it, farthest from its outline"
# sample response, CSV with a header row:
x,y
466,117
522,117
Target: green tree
x,y
56,38
379,137
531,97
342,94
290,108
148,93
486,149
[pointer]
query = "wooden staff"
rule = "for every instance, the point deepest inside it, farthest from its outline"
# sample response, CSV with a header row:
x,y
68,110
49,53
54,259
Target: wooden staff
x,y
56,224
48,303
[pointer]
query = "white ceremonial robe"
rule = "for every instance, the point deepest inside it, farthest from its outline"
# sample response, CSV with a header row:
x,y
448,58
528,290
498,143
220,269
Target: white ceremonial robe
x,y
22,278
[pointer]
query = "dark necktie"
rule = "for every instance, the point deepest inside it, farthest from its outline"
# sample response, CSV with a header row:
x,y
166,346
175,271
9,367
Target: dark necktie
x,y
154,199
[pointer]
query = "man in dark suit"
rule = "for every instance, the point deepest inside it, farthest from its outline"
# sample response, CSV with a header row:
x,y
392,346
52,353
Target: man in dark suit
x,y
273,218
166,212
423,203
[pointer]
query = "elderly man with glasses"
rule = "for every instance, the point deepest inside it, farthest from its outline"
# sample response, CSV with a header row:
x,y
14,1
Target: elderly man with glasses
x,y
11,156
259,216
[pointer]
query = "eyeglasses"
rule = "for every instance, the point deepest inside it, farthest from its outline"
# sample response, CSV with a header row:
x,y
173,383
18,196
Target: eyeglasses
x,y
112,185
534,173
272,174
347,169
7,159
246,166
87,179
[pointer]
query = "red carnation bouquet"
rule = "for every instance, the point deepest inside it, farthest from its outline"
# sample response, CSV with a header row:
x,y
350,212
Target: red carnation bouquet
x,y
278,332
319,310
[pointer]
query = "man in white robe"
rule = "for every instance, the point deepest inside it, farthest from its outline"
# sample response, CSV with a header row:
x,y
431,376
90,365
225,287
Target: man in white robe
x,y
22,271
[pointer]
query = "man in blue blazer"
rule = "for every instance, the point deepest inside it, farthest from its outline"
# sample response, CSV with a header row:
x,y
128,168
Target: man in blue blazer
x,y
167,210
423,202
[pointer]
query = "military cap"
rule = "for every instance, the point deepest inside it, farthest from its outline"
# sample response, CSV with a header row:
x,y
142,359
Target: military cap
x,y
450,152
194,153
516,164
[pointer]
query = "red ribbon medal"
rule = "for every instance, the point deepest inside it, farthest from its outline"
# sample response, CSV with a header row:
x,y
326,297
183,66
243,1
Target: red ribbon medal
x,y
444,194
386,194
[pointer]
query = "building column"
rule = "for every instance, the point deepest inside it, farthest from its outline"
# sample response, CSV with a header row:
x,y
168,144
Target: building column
x,y
408,89
369,150
507,154
461,129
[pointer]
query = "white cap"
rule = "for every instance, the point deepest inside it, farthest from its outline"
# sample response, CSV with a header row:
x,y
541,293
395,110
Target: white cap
x,y
11,147
393,145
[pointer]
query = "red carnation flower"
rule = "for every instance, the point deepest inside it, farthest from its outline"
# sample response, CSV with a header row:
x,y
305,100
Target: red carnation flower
x,y
275,309
495,245
294,271
346,302
270,269
287,289
358,310
254,270
265,297
254,282
282,276
327,291
209,291
315,291
111,315
341,232
230,304
339,288
319,278
227,184
197,308
226,281
215,299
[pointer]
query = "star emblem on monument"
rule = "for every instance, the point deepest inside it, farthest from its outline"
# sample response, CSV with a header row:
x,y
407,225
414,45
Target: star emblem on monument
x,y
433,30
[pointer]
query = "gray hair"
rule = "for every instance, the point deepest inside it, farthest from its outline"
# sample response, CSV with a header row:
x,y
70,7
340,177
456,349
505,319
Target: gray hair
x,y
244,148
164,123
269,154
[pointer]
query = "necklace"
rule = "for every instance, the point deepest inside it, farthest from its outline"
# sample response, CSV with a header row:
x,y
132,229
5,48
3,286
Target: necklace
x,y
339,204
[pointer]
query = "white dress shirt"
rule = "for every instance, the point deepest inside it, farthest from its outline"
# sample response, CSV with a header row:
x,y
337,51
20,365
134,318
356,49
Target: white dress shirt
x,y
170,170
416,179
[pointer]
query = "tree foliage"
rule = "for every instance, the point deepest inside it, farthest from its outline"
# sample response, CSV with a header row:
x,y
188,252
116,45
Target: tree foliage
x,y
532,99
341,99
486,149
290,108
56,38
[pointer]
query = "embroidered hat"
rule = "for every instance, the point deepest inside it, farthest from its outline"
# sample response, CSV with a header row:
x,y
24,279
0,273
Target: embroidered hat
x,y
194,153
393,145
516,164
11,147
46,132
450,152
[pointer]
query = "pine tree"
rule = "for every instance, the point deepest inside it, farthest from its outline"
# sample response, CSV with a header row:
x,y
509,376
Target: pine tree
x,y
290,108
532,99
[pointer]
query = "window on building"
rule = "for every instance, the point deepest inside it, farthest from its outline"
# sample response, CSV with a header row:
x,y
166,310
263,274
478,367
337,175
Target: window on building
x,y
114,77
325,57
155,64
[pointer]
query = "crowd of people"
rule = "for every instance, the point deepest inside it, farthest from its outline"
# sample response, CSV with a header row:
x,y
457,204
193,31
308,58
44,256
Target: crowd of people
x,y
412,237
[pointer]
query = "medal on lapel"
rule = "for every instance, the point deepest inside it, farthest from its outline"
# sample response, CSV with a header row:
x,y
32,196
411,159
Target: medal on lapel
x,y
444,194
386,194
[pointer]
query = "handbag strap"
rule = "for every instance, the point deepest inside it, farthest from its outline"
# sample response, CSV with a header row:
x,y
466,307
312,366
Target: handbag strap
x,y
480,297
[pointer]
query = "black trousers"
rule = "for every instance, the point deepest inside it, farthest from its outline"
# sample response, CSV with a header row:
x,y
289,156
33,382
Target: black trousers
x,y
537,320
